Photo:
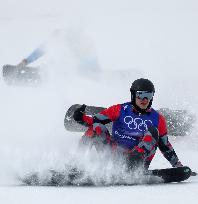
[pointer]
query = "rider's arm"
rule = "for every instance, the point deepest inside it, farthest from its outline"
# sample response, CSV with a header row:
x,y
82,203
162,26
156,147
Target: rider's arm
x,y
36,54
164,144
106,116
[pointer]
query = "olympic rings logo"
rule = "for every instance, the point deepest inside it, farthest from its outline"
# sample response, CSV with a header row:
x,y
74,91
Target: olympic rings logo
x,y
137,123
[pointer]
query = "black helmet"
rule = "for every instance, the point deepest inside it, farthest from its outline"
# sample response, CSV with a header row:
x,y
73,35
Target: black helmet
x,y
141,85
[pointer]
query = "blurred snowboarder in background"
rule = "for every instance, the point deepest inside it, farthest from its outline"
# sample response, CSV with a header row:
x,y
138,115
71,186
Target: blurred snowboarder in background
x,y
138,130
22,73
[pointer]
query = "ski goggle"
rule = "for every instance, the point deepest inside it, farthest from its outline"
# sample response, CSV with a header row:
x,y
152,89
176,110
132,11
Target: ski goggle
x,y
144,94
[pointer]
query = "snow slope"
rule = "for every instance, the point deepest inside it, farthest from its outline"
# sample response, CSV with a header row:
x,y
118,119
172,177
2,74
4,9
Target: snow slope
x,y
113,42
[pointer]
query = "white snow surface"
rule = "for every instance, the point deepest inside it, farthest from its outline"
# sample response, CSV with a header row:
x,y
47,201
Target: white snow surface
x,y
94,50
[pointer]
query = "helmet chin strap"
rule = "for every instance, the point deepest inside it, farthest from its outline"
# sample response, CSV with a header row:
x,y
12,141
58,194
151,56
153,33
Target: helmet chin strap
x,y
142,111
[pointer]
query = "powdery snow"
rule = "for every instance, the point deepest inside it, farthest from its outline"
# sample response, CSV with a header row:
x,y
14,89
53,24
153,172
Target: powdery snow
x,y
121,41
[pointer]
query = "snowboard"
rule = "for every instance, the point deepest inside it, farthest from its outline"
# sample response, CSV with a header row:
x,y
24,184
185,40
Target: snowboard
x,y
20,75
179,122
75,177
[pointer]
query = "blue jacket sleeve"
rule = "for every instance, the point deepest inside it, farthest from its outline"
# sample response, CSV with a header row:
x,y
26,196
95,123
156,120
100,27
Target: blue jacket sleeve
x,y
37,53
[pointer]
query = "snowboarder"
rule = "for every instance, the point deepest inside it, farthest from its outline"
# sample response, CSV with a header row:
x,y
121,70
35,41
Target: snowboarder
x,y
137,128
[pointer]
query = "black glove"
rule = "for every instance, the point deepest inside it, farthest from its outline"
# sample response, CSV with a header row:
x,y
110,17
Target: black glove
x,y
78,113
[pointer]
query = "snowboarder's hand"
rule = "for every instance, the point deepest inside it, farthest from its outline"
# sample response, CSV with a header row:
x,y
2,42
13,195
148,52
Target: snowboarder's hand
x,y
23,63
178,164
78,113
